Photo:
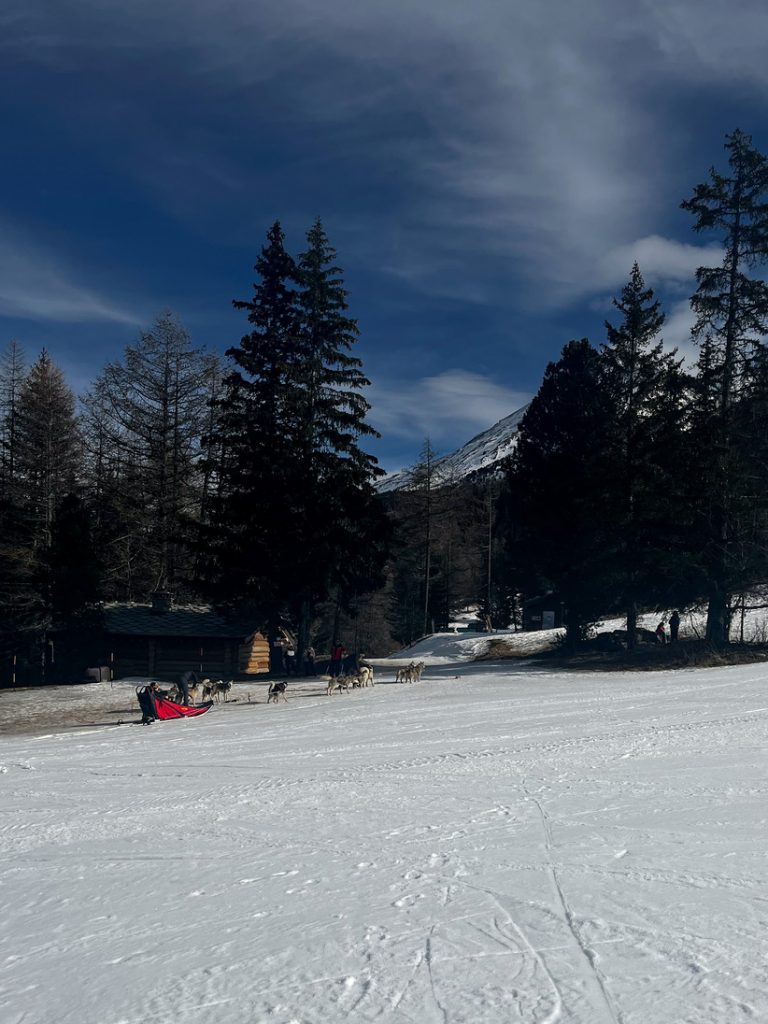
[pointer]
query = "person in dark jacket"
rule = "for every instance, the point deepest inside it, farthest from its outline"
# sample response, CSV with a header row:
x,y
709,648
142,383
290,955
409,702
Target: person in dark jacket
x,y
277,660
674,625
146,696
185,680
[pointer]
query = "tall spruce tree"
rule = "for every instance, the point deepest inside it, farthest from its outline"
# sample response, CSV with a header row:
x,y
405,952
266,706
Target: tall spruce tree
x,y
642,450
345,525
297,516
731,308
47,468
247,539
49,446
559,488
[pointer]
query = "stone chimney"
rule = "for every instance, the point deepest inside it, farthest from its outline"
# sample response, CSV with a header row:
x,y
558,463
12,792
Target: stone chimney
x,y
161,601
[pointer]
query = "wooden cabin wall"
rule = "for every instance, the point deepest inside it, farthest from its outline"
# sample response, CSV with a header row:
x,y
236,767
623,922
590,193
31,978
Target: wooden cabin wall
x,y
253,656
165,658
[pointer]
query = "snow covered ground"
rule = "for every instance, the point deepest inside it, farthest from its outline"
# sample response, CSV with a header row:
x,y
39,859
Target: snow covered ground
x,y
496,843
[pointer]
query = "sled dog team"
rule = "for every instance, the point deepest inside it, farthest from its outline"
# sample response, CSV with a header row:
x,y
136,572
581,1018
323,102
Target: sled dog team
x,y
215,689
212,689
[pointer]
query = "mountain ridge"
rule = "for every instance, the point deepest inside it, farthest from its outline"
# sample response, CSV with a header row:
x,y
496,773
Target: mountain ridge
x,y
479,453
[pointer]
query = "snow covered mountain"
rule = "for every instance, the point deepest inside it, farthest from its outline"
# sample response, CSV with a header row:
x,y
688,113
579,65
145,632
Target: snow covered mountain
x,y
482,452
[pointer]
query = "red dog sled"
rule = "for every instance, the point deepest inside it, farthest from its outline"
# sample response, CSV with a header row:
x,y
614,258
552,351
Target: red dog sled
x,y
153,706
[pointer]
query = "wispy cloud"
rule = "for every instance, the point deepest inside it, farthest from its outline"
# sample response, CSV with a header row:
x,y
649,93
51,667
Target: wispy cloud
x,y
35,285
527,139
446,407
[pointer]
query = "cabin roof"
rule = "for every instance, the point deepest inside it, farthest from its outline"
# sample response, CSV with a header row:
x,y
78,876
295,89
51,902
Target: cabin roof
x,y
184,621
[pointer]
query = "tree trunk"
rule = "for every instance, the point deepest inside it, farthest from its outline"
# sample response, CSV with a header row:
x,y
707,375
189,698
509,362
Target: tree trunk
x,y
572,631
718,619
302,640
631,625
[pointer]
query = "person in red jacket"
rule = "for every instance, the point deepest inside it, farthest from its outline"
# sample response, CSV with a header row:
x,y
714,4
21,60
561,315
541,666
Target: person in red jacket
x,y
338,650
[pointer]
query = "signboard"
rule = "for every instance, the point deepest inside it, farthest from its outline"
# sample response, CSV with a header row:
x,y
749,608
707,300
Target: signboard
x,y
547,620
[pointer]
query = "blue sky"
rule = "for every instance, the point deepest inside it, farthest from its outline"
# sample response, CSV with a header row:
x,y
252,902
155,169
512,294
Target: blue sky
x,y
487,172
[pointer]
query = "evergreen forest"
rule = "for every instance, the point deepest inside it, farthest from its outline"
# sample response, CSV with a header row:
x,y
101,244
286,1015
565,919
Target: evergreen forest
x,y
243,480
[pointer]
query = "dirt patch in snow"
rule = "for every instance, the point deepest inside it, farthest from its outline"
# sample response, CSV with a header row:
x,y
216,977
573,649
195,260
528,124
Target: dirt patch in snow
x,y
500,647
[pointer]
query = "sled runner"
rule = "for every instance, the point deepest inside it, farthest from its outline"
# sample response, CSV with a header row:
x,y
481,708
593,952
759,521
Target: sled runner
x,y
156,707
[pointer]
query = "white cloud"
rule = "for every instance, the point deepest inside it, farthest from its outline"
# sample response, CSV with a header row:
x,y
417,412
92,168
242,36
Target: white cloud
x,y
447,407
662,261
677,332
34,285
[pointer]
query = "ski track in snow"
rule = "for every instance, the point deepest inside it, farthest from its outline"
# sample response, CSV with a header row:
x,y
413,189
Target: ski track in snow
x,y
511,845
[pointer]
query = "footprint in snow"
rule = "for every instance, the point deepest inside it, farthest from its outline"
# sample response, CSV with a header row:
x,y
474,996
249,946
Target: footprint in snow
x,y
409,900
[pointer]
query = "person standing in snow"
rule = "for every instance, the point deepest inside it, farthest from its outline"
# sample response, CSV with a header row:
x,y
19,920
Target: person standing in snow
x,y
277,660
661,632
674,625
337,656
185,680
290,660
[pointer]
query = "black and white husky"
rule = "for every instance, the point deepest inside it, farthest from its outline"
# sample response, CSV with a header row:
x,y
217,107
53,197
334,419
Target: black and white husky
x,y
276,690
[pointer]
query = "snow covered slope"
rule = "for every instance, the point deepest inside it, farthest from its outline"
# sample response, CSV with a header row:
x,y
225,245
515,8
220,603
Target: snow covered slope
x,y
480,453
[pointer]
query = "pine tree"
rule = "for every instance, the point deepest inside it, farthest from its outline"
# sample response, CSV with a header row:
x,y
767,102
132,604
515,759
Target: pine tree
x,y
73,573
559,488
297,517
49,448
642,449
246,540
731,307
73,562
344,520
12,374
17,578
46,468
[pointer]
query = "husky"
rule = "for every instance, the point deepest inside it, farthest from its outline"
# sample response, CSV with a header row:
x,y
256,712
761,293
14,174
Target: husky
x,y
177,696
337,683
222,688
276,690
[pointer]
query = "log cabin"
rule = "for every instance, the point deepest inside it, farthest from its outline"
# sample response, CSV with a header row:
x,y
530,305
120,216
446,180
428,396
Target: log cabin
x,y
159,641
